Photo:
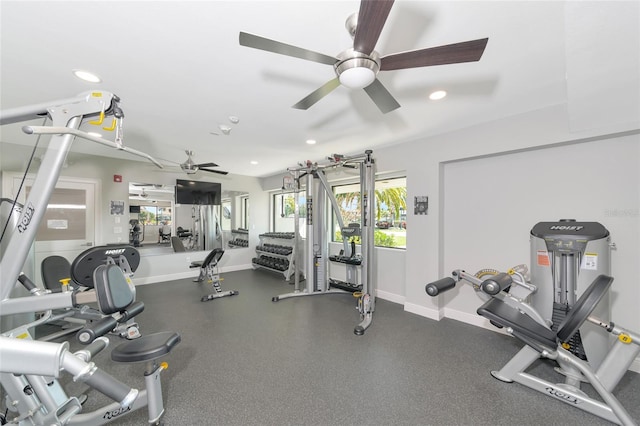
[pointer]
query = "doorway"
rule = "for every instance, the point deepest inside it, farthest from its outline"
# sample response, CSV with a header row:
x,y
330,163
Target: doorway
x,y
69,224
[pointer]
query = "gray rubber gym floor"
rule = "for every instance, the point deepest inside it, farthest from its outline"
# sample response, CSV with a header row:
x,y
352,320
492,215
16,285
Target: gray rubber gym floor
x,y
245,360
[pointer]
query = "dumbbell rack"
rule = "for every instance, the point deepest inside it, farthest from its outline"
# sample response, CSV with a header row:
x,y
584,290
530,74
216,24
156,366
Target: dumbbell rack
x,y
240,238
276,252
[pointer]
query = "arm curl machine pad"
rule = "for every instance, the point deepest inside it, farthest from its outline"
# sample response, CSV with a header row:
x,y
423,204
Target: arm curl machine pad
x,y
435,288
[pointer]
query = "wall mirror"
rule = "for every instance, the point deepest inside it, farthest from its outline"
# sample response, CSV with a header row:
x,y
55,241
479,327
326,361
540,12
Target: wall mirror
x,y
154,218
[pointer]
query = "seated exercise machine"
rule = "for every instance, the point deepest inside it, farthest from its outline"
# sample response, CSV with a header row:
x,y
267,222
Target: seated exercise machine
x,y
36,365
57,273
29,368
317,194
209,272
136,230
164,234
507,307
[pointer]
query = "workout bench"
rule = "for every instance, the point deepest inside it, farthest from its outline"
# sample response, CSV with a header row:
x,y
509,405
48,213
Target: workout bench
x,y
209,271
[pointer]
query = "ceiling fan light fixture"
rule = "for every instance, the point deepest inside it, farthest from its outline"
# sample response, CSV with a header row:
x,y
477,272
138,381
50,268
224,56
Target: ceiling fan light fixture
x,y
357,78
357,70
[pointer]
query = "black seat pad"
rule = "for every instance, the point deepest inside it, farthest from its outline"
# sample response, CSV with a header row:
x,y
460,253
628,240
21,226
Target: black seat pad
x,y
501,313
212,259
146,348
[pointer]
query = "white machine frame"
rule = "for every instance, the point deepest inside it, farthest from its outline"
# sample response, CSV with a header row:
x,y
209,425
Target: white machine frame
x,y
316,244
31,364
513,290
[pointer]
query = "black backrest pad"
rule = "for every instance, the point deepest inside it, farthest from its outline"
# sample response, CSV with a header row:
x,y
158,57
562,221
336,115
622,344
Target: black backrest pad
x,y
501,313
112,289
55,268
585,304
213,257
177,245
83,266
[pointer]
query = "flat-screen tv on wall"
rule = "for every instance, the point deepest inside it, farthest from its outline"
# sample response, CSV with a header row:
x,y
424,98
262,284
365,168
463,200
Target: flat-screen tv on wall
x,y
134,209
195,192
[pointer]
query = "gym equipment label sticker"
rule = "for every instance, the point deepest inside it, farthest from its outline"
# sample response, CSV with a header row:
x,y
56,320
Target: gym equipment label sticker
x,y
543,258
589,261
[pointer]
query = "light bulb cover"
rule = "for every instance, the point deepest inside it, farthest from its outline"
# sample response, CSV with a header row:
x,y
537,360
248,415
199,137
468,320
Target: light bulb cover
x,y
357,78
357,70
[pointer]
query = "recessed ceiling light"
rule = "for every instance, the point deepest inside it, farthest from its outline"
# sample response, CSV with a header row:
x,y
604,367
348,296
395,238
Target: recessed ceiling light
x,y
254,162
87,76
311,141
96,134
437,95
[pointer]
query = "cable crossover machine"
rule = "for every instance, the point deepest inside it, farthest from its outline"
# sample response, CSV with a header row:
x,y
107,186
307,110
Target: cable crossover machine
x,y
311,178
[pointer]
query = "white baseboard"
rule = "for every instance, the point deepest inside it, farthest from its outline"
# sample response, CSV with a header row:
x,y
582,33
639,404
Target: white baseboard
x,y
471,319
163,278
224,269
423,311
391,297
192,273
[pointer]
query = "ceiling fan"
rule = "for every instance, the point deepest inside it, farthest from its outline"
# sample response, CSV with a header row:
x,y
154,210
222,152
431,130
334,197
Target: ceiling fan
x,y
190,167
357,67
142,194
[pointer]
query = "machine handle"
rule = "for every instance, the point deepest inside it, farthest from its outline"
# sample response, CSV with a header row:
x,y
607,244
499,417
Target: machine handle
x,y
27,283
132,310
94,330
496,284
93,349
440,286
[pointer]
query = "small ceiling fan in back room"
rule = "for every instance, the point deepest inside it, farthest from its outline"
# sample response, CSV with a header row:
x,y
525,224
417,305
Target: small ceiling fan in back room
x,y
358,67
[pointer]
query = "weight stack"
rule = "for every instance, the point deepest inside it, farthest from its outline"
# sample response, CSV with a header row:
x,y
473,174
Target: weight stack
x,y
566,256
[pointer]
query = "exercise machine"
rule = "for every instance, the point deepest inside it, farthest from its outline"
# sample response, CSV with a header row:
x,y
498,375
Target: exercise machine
x,y
507,306
28,365
126,258
209,273
30,369
134,233
59,275
318,192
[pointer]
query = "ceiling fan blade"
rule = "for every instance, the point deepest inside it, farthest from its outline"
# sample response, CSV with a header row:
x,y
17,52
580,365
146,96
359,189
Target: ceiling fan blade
x,y
257,42
371,18
381,97
467,51
206,165
220,172
318,94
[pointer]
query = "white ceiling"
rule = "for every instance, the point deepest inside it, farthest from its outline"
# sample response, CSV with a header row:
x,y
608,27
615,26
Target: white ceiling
x,y
180,72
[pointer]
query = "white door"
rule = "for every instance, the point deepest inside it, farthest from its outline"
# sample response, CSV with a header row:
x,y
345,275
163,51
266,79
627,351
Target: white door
x,y
68,227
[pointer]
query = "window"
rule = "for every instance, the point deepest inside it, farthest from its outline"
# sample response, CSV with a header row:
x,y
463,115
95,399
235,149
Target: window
x,y
244,212
283,212
390,211
155,215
